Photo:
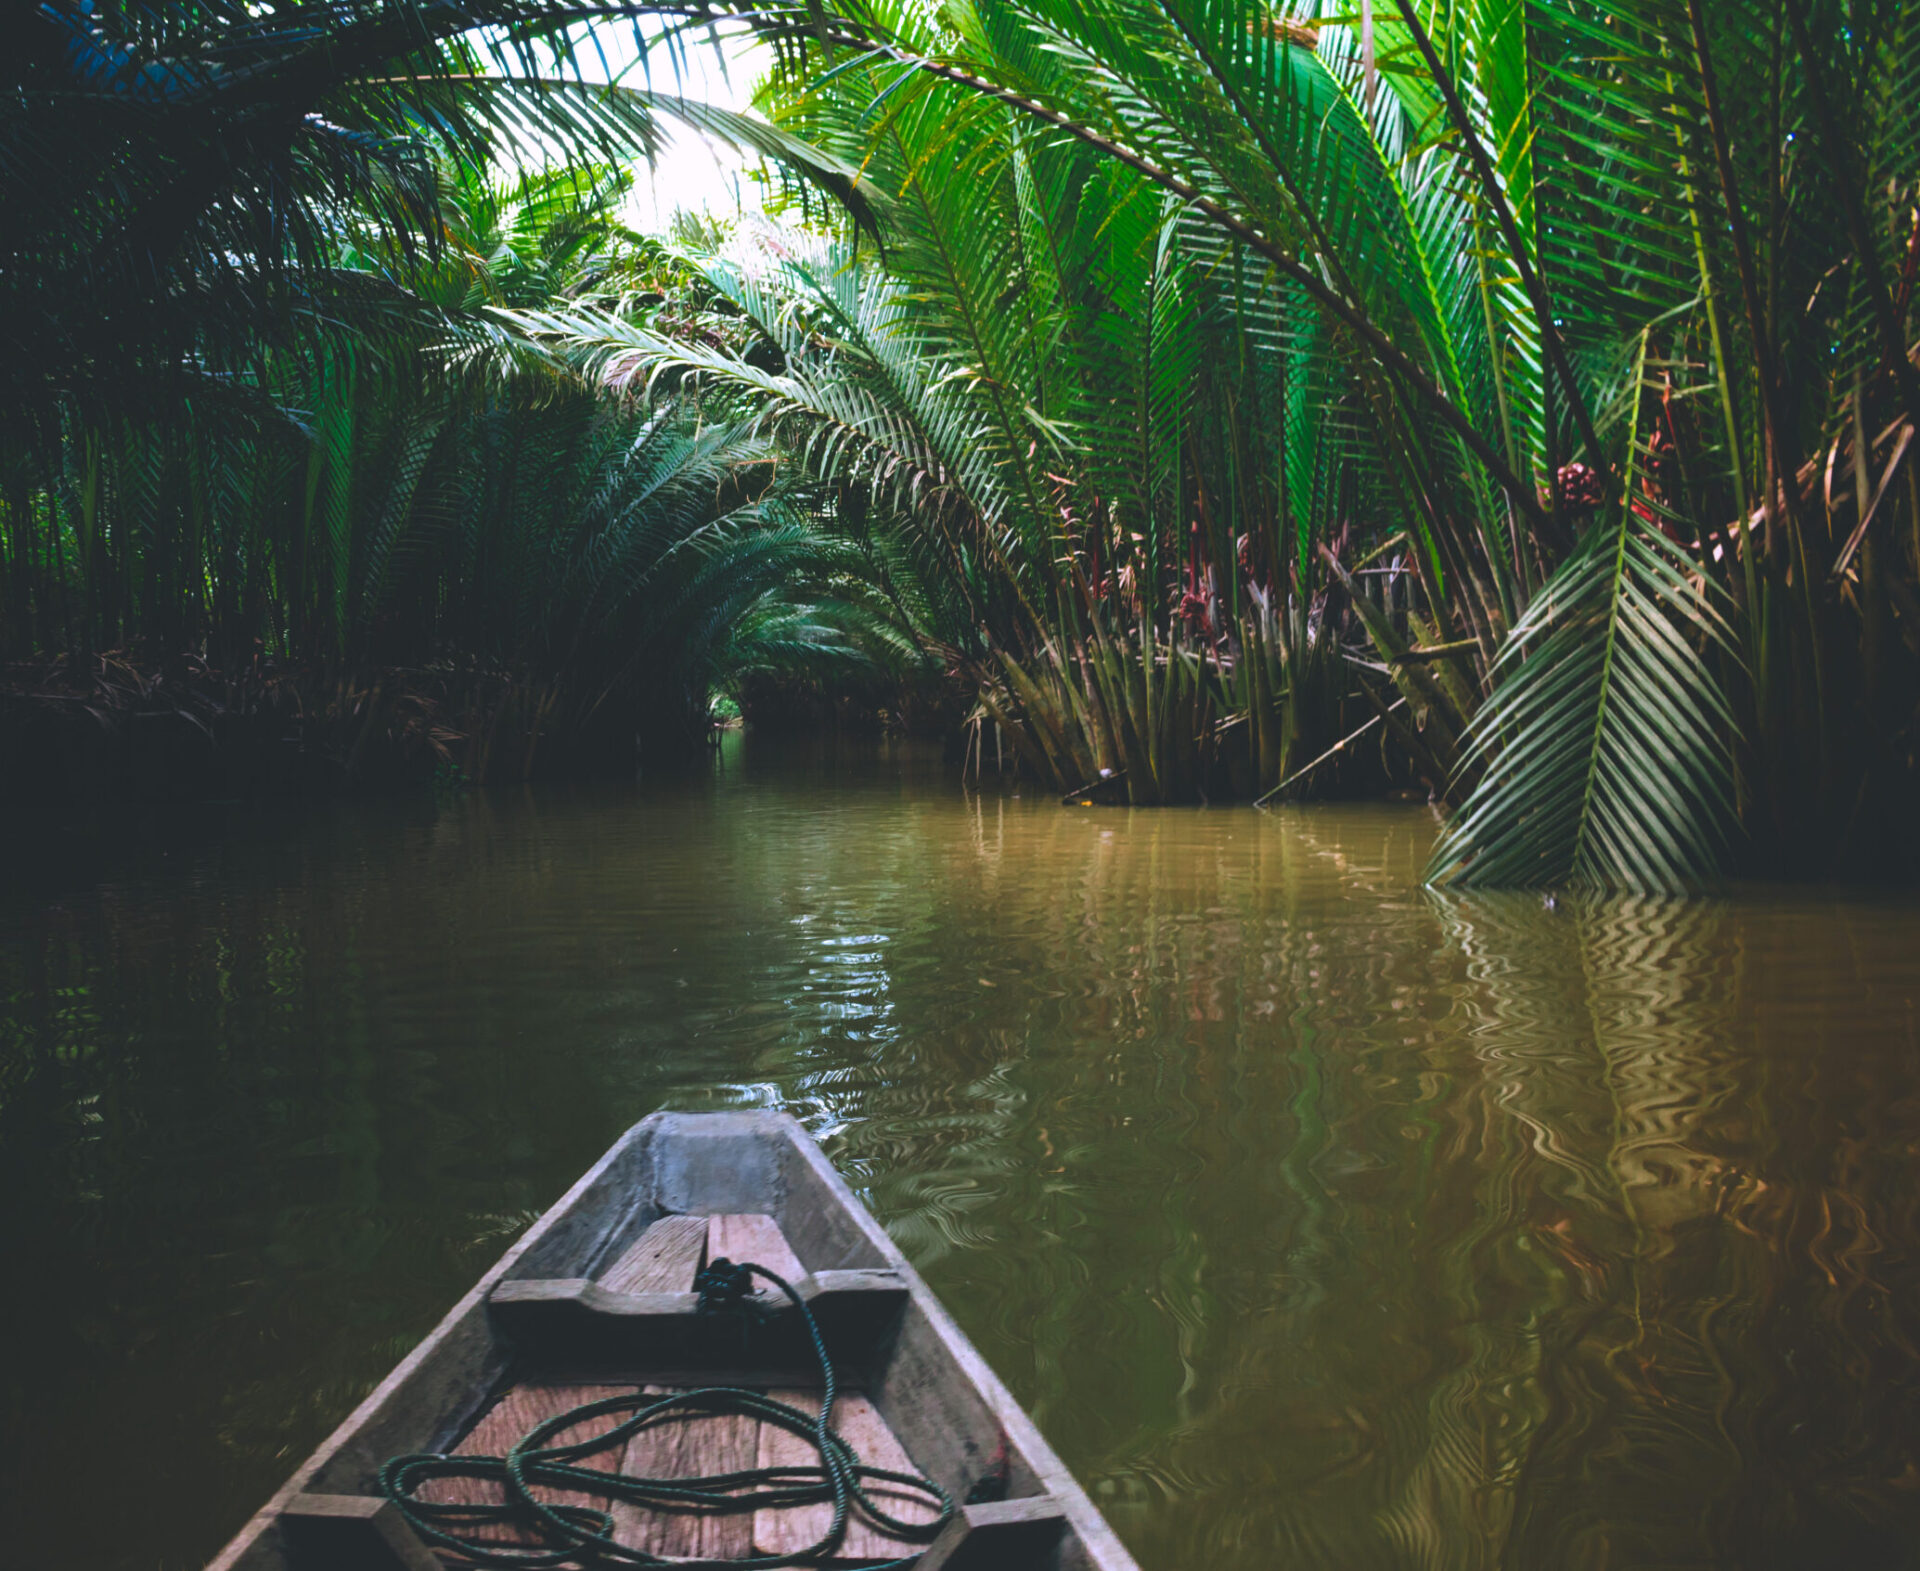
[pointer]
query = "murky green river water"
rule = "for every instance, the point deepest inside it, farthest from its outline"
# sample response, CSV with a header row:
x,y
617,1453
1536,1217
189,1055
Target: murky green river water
x,y
1320,1221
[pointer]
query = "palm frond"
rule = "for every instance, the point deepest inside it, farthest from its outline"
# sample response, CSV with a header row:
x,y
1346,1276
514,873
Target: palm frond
x,y
1603,751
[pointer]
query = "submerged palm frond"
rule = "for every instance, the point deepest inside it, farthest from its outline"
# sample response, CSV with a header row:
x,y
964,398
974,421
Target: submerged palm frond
x,y
1605,742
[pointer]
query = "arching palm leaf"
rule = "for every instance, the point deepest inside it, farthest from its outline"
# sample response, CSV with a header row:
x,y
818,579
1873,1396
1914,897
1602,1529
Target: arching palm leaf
x,y
1604,750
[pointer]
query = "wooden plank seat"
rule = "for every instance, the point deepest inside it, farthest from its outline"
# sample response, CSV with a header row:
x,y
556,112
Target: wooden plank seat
x,y
670,1254
640,1312
665,1259
758,1238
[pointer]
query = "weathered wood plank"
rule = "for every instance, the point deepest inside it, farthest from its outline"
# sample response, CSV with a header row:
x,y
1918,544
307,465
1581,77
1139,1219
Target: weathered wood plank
x,y
788,1532
722,1162
505,1422
861,1426
699,1447
1001,1533
935,1396
753,1236
664,1259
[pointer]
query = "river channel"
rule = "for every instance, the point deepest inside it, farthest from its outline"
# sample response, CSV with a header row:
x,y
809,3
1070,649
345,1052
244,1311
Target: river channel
x,y
1320,1220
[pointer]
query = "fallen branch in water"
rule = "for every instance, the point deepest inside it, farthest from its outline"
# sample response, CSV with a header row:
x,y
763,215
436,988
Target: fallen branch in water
x,y
1081,793
1338,747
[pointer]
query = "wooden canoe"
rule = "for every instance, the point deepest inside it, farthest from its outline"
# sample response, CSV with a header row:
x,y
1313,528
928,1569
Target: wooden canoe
x,y
598,1298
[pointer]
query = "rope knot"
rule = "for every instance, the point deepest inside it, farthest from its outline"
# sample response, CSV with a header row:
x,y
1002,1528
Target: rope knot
x,y
723,1286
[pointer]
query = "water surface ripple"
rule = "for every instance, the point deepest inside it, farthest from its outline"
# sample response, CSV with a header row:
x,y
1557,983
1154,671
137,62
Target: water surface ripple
x,y
1322,1221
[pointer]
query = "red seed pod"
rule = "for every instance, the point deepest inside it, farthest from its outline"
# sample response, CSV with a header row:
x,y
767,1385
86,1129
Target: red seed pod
x,y
1580,486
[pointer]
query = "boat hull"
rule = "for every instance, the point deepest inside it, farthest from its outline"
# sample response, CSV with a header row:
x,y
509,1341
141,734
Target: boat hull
x,y
577,1301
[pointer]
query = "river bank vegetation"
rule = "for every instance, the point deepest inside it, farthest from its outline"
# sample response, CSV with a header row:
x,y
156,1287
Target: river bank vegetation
x,y
280,498
1229,400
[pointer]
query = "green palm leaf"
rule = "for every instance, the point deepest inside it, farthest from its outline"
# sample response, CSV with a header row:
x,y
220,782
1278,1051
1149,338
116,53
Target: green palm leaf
x,y
1604,747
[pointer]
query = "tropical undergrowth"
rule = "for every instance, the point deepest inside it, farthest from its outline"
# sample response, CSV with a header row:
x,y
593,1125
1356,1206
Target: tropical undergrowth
x,y
278,486
1531,383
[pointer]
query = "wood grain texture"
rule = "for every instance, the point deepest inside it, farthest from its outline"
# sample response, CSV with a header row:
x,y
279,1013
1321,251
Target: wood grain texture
x,y
691,1448
512,1416
860,1425
664,1259
755,1237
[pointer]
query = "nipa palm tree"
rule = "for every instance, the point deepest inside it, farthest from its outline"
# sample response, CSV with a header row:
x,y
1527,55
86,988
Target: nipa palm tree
x,y
1606,309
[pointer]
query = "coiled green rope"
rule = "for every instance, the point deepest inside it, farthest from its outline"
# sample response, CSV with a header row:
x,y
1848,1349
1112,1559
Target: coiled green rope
x,y
584,1534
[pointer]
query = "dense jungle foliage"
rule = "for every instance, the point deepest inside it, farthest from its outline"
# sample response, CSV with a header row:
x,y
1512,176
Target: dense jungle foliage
x,y
269,472
1513,398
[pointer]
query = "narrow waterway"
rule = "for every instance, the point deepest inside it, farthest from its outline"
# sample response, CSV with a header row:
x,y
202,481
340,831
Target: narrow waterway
x,y
1320,1220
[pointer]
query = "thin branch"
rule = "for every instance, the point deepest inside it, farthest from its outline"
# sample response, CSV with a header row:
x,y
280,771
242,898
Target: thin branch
x,y
1338,747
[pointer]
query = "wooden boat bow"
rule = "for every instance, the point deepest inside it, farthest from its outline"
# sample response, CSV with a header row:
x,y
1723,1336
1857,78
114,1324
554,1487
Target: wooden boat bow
x,y
597,1297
